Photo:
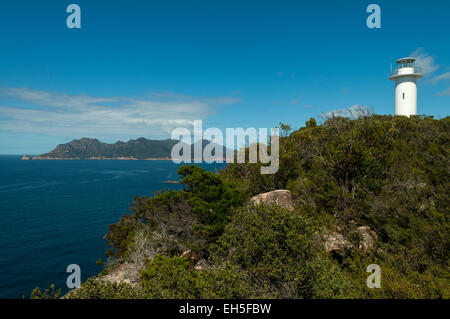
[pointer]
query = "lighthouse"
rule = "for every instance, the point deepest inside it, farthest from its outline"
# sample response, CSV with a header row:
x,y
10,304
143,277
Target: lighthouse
x,y
405,76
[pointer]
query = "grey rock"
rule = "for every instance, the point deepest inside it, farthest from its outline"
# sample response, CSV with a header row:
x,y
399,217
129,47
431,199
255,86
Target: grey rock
x,y
367,238
333,241
280,197
202,264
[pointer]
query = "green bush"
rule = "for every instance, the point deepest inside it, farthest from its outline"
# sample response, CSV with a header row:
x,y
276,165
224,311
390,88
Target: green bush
x,y
50,293
210,197
96,289
171,277
275,247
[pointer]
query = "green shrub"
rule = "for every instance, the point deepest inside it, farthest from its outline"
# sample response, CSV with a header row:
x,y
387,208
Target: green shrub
x,y
275,247
171,277
96,289
210,197
50,293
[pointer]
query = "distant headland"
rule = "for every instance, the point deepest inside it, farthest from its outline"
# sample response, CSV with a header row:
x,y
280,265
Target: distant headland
x,y
93,149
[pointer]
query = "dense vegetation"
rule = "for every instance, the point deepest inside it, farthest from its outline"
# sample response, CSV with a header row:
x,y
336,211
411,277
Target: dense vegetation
x,y
389,173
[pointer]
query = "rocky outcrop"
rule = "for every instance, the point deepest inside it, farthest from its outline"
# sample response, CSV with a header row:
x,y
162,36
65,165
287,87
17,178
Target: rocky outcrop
x,y
333,241
26,157
120,274
336,242
280,197
367,238
202,264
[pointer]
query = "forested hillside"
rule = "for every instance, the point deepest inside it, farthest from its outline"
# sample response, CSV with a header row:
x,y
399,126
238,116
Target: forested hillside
x,y
368,191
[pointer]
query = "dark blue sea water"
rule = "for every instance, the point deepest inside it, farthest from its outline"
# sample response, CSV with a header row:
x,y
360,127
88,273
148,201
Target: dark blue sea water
x,y
55,213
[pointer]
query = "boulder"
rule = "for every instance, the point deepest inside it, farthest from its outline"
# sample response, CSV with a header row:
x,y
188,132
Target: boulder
x,y
202,264
280,197
334,241
367,238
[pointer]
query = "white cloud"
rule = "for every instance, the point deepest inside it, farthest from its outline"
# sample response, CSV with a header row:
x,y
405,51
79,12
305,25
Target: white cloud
x,y
112,117
425,61
444,93
438,78
44,98
353,112
167,95
295,101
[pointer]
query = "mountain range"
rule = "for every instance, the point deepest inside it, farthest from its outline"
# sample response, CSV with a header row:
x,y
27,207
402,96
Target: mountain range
x,y
139,149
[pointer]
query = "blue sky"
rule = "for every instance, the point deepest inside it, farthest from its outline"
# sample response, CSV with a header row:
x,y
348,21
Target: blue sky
x,y
142,68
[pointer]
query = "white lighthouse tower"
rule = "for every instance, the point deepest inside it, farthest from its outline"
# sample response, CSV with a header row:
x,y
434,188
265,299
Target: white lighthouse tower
x,y
405,76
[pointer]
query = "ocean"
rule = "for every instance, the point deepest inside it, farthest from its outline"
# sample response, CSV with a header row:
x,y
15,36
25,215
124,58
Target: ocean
x,y
55,213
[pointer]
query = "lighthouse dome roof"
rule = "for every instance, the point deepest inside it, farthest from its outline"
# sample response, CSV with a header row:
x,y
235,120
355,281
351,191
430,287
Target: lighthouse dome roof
x,y
406,60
